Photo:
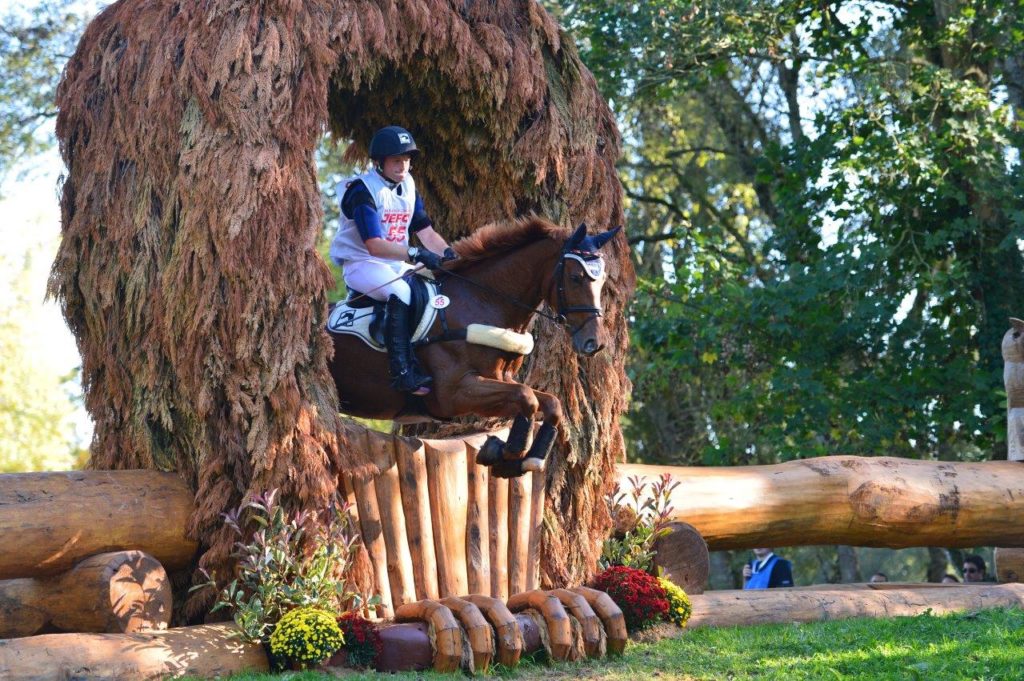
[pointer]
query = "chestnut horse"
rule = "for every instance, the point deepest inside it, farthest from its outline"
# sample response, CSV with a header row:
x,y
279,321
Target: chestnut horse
x,y
504,272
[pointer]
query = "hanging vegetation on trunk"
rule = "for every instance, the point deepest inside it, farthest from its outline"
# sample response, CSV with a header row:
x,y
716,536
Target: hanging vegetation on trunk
x,y
188,269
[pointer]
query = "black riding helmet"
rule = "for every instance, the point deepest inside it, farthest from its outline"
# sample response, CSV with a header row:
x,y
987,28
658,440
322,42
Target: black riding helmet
x,y
392,141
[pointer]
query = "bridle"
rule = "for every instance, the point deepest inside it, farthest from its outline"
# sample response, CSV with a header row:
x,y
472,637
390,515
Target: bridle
x,y
559,277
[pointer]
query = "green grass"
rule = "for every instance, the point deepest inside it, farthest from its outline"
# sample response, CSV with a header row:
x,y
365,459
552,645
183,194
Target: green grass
x,y
982,645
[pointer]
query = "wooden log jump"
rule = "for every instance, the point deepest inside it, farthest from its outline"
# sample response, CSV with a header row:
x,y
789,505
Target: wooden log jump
x,y
884,501
204,651
57,519
125,591
767,606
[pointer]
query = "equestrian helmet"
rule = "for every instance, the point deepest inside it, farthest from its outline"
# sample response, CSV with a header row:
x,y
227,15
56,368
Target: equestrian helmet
x,y
392,141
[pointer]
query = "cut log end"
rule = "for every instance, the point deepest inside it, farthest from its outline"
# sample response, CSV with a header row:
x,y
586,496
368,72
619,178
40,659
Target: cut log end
x,y
682,554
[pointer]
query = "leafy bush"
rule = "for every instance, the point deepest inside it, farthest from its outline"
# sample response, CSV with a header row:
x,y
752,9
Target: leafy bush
x,y
292,560
307,636
639,595
679,606
641,518
362,641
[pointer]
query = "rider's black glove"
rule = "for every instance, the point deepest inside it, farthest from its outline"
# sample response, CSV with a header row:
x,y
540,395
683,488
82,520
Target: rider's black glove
x,y
449,254
426,257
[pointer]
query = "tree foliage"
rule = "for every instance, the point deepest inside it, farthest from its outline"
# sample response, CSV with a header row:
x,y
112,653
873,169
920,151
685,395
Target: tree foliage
x,y
35,43
827,207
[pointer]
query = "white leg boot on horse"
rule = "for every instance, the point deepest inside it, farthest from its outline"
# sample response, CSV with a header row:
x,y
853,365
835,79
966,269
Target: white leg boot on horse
x,y
397,330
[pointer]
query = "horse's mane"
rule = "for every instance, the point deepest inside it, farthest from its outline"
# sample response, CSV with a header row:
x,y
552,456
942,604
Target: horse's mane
x,y
501,237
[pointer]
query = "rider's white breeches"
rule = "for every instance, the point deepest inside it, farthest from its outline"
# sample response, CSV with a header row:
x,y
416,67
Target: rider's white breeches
x,y
374,278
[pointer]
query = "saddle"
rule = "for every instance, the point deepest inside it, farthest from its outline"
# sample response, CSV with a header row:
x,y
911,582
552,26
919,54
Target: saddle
x,y
362,316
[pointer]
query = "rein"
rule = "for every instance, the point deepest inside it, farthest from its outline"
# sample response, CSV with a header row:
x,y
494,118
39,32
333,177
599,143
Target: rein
x,y
557,319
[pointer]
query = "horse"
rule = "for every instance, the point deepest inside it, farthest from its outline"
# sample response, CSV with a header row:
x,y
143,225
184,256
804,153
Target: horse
x,y
490,294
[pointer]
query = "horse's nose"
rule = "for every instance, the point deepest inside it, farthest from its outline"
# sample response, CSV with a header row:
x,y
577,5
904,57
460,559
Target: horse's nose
x,y
590,347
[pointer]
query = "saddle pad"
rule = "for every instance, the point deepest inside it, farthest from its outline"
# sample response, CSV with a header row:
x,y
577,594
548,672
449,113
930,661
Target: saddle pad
x,y
356,321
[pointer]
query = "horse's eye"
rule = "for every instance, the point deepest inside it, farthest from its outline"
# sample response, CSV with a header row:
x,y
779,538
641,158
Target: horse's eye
x,y
577,278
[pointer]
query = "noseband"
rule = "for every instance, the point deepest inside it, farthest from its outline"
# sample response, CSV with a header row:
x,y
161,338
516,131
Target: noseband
x,y
559,276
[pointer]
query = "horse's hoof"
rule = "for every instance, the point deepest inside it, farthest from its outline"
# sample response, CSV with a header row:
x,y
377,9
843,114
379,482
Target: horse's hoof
x,y
533,465
490,453
507,469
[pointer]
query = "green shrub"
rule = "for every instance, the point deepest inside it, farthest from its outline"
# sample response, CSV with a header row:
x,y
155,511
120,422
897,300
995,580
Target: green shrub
x,y
292,560
641,519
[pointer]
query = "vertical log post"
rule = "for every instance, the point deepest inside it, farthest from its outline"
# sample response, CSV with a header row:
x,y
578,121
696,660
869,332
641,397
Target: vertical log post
x,y
1013,378
537,498
412,471
446,480
477,522
389,502
520,492
497,516
373,539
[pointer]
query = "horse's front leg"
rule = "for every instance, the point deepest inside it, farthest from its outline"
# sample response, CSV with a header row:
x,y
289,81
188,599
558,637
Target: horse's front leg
x,y
551,409
491,397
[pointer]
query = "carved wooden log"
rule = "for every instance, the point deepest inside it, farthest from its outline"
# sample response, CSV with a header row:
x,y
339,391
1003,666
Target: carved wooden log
x,y
682,554
389,503
447,633
1013,379
764,606
1009,564
557,619
507,633
125,591
611,616
859,501
594,641
520,493
478,558
373,539
56,519
412,469
478,631
449,494
205,651
407,647
497,520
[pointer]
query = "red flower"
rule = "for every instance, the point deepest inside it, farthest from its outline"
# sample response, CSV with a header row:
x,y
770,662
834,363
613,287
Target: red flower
x,y
642,600
362,642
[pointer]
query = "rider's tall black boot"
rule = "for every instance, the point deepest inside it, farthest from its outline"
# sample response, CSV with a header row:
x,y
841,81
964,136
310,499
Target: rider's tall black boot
x,y
397,329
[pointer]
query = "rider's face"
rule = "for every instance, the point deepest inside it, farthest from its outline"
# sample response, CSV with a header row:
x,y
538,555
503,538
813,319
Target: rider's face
x,y
395,168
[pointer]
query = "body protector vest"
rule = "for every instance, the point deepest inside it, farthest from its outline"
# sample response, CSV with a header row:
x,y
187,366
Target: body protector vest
x,y
395,204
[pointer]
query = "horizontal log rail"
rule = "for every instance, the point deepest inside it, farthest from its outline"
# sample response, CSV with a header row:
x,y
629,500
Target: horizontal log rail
x,y
769,606
51,521
884,501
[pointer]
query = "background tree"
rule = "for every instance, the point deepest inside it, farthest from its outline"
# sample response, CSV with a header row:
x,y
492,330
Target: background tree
x,y
35,43
827,203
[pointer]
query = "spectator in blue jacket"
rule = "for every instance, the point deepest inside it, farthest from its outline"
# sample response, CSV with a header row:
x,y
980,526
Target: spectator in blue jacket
x,y
767,571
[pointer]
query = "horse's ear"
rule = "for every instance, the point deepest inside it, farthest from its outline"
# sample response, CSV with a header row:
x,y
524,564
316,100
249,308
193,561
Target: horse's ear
x,y
602,239
578,236
1017,324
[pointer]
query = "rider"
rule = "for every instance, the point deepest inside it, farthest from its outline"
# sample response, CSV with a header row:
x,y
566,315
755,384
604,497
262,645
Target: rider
x,y
378,210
